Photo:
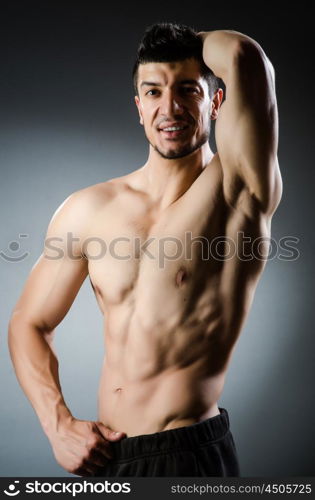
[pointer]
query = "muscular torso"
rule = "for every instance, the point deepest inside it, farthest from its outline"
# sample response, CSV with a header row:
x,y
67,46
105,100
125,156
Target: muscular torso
x,y
173,306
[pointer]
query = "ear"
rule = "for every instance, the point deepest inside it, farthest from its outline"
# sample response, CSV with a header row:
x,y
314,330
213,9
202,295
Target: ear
x,y
216,103
138,104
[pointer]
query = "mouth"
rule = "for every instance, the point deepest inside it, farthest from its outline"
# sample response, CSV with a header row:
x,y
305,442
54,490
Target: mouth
x,y
174,131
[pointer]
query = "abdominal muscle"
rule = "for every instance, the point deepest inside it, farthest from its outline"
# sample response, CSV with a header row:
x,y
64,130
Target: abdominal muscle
x,y
138,400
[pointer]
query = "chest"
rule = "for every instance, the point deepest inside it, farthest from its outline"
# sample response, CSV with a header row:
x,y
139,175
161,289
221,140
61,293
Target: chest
x,y
131,247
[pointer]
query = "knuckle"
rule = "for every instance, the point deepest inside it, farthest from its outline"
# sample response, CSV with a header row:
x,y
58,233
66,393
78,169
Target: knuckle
x,y
79,463
93,441
74,470
86,457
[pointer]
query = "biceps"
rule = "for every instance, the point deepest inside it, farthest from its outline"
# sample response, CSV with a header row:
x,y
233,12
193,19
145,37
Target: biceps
x,y
247,128
50,291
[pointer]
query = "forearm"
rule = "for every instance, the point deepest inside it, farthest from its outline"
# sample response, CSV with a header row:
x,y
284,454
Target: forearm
x,y
220,49
36,368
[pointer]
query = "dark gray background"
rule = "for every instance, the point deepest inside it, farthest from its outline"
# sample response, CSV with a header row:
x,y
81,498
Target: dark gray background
x,y
68,120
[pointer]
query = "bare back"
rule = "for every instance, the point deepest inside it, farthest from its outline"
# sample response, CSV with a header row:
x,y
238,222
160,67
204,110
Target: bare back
x,y
173,305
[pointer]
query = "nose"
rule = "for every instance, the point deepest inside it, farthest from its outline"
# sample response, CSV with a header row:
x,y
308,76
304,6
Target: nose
x,y
171,104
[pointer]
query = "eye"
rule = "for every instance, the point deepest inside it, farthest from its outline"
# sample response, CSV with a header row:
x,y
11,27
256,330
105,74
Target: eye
x,y
190,90
151,92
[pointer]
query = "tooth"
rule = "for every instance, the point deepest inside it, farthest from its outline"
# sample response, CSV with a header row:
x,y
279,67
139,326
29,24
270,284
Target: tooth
x,y
170,129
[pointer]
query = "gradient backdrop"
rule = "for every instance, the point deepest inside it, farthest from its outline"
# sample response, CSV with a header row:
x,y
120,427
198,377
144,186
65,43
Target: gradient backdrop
x,y
68,120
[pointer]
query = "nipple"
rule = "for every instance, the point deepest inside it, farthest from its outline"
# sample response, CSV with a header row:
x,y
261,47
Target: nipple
x,y
181,276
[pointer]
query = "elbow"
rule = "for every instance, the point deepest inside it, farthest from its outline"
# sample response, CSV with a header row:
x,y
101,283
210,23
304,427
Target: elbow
x,y
12,334
19,323
12,325
15,327
15,320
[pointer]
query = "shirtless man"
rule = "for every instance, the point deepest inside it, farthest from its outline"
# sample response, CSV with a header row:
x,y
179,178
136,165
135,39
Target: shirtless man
x,y
171,323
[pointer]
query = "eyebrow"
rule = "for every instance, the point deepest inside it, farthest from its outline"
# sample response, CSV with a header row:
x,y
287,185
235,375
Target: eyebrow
x,y
190,82
182,82
151,84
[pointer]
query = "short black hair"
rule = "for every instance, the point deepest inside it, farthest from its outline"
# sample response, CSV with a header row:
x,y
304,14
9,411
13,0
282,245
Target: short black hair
x,y
169,42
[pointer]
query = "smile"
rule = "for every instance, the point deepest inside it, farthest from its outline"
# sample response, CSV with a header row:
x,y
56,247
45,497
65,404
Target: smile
x,y
170,129
175,131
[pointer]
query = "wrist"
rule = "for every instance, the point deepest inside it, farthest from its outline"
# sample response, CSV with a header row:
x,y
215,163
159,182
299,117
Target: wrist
x,y
56,420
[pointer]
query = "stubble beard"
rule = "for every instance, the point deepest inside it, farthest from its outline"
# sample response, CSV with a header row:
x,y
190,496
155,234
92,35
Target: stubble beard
x,y
183,150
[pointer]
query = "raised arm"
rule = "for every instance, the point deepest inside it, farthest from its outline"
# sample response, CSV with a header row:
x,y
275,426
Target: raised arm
x,y
247,123
54,281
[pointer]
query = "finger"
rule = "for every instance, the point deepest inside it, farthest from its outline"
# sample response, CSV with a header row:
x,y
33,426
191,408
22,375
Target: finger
x,y
116,436
108,433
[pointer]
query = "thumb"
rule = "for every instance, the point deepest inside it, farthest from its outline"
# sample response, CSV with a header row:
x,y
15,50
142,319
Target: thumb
x,y
109,434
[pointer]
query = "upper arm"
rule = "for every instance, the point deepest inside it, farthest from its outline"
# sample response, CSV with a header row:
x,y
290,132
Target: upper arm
x,y
247,129
58,274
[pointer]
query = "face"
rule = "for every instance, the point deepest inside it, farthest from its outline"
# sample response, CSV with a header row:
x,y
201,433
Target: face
x,y
174,107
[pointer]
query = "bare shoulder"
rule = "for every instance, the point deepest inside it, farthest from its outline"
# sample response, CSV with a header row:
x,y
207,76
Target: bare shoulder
x,y
84,202
74,216
77,210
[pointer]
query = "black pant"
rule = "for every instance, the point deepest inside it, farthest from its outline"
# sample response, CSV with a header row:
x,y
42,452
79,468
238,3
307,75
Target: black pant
x,y
202,449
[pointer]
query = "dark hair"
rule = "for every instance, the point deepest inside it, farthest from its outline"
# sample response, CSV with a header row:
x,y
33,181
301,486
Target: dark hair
x,y
169,42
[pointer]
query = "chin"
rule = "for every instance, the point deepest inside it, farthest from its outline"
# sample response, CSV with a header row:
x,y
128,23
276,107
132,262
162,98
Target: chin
x,y
179,152
173,155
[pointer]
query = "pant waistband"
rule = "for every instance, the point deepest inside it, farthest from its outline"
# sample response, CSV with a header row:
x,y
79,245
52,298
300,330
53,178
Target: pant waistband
x,y
181,438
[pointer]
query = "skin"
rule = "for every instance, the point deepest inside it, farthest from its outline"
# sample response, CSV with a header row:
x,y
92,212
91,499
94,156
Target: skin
x,y
172,324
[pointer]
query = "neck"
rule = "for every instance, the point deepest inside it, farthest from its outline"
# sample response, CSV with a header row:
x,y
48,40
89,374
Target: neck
x,y
167,179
